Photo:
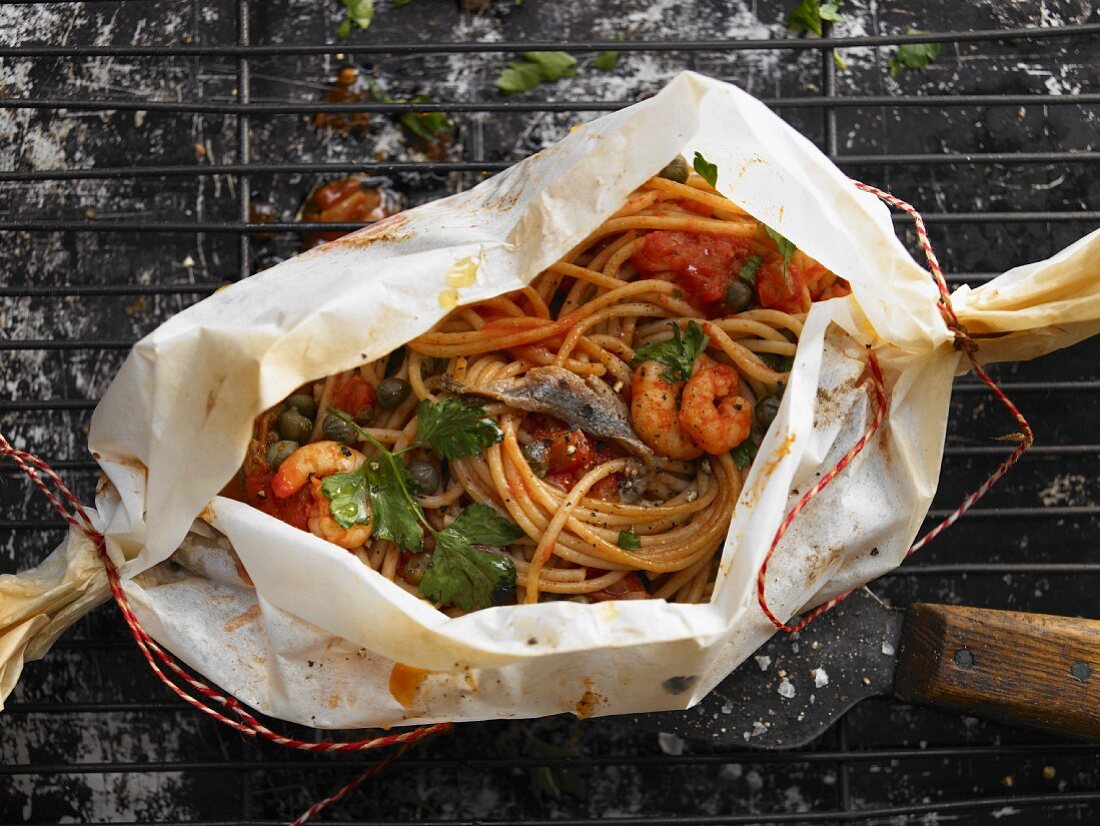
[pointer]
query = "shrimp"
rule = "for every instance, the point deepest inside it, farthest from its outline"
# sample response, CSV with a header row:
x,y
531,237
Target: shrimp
x,y
654,415
711,413
309,464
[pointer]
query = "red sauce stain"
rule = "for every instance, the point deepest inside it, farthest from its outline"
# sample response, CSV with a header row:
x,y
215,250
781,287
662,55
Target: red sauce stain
x,y
405,682
239,621
590,701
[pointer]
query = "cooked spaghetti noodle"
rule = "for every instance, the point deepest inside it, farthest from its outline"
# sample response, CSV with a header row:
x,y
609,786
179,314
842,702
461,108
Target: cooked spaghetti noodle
x,y
621,473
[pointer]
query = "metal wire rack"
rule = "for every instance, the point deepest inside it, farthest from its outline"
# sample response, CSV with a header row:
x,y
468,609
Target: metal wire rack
x,y
138,134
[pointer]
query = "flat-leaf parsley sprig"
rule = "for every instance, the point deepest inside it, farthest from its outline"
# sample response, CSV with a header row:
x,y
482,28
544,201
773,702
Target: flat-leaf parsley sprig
x,y
678,353
460,572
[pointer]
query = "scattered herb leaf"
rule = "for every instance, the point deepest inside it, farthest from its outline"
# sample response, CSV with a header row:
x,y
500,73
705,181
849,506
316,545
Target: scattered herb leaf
x,y
786,248
536,68
519,77
629,541
749,268
606,61
399,3
808,15
913,56
347,495
454,429
744,453
359,12
678,353
707,170
554,65
426,125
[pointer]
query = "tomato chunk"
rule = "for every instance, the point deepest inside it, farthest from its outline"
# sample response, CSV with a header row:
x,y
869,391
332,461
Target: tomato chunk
x,y
572,453
704,264
629,587
779,288
355,396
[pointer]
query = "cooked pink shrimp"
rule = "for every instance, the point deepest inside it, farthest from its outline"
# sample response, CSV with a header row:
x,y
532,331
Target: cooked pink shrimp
x,y
711,413
653,409
310,463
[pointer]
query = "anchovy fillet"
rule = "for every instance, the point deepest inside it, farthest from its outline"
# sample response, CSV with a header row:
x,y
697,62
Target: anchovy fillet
x,y
555,391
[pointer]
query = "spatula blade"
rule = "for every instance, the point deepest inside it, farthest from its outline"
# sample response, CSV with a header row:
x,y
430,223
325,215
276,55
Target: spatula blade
x,y
796,686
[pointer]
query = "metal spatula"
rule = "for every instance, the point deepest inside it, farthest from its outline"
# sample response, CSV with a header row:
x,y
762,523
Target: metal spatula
x,y
1027,669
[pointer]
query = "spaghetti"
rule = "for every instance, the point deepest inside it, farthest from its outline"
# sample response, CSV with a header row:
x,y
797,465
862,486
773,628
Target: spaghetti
x,y
618,400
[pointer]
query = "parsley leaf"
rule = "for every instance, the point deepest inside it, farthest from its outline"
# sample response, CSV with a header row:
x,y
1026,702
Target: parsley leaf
x,y
707,170
629,541
749,268
460,574
808,15
678,353
482,525
384,480
399,3
553,65
536,68
347,495
397,515
606,61
913,56
453,429
360,12
786,248
519,77
426,125
744,453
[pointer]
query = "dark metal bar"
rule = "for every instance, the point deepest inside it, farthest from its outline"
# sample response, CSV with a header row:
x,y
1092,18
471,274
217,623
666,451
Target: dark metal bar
x,y
297,107
488,764
427,167
63,290
244,95
52,225
793,43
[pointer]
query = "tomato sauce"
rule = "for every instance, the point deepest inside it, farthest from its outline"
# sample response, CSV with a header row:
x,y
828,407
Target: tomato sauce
x,y
704,265
294,509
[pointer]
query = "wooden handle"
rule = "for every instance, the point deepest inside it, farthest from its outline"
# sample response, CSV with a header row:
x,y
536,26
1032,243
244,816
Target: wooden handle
x,y
1029,669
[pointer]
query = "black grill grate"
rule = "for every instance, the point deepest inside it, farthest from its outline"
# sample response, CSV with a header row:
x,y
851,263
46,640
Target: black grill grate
x,y
978,143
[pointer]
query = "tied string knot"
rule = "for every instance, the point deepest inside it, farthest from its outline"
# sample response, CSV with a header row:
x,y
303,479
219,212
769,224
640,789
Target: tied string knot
x,y
962,342
193,691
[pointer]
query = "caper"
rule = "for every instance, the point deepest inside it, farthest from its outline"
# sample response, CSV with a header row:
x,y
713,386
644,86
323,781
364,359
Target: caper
x,y
414,567
766,410
303,404
278,452
738,296
294,427
338,430
677,170
504,593
424,476
392,392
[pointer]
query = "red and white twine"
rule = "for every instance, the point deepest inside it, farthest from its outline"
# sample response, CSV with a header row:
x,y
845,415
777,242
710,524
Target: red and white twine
x,y
208,700
963,342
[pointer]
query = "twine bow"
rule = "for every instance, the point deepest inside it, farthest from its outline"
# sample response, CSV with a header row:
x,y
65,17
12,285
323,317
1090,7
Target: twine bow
x,y
962,342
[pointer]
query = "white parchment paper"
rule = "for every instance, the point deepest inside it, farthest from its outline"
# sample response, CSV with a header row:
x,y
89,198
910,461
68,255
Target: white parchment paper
x,y
300,629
